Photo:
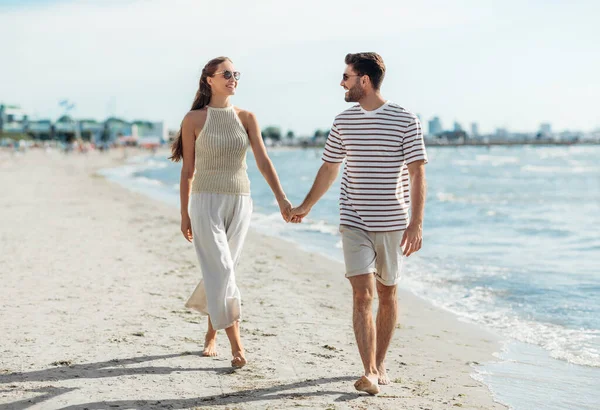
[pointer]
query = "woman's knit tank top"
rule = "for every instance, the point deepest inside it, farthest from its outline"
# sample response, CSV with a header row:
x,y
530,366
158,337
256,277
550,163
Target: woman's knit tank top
x,y
221,154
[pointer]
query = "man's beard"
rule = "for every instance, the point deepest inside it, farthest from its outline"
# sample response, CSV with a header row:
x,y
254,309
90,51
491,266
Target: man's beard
x,y
354,94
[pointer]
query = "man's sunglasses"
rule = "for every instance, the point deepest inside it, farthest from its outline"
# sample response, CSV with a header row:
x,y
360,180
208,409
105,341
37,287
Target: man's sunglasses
x,y
228,74
346,77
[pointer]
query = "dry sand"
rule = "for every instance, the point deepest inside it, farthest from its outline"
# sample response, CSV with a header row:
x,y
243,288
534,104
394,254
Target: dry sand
x,y
94,279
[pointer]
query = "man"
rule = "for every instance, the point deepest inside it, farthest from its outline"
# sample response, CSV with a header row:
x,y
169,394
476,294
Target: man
x,y
382,144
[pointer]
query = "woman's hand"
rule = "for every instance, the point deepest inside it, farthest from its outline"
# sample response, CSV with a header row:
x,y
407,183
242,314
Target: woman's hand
x,y
285,207
186,228
298,213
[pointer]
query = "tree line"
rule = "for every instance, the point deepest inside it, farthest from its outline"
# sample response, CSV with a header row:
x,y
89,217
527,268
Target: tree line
x,y
276,134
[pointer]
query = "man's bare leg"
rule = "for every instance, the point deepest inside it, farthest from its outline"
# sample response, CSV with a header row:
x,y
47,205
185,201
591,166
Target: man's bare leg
x,y
210,341
237,350
364,330
387,315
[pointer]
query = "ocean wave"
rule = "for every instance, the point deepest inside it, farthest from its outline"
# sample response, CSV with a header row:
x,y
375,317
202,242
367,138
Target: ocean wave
x,y
148,162
274,223
558,152
537,231
543,169
478,305
134,165
567,169
447,197
125,171
148,181
474,199
548,153
493,160
322,227
496,160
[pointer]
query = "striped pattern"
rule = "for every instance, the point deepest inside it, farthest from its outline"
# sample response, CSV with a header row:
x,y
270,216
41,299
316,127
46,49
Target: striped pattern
x,y
377,146
221,154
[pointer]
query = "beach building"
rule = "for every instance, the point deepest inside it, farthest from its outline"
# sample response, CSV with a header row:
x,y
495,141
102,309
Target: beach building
x,y
13,119
40,130
66,129
435,126
116,128
91,130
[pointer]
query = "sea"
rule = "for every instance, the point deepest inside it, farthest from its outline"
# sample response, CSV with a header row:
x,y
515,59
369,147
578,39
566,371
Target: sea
x,y
511,242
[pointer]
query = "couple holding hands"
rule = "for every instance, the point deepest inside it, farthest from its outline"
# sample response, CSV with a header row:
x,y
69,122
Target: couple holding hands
x,y
384,174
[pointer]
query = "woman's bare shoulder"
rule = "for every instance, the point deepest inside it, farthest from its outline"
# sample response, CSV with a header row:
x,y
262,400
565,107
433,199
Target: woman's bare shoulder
x,y
245,115
196,117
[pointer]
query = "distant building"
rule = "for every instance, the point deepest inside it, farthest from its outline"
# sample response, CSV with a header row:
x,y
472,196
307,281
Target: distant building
x,y
66,129
474,130
150,129
91,130
570,136
546,129
456,136
457,126
501,133
116,128
435,126
40,130
594,136
12,119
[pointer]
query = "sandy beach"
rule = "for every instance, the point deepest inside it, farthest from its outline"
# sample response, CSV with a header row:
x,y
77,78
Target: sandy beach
x,y
94,281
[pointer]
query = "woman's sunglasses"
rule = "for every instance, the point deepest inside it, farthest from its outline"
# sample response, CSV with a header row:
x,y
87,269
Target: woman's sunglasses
x,y
228,74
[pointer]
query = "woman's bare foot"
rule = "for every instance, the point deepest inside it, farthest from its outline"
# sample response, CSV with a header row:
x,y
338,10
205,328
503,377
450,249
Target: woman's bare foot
x,y
238,360
367,384
210,344
383,378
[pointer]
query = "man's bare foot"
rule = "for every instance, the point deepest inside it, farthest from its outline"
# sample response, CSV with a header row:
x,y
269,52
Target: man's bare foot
x,y
367,384
238,360
210,345
383,378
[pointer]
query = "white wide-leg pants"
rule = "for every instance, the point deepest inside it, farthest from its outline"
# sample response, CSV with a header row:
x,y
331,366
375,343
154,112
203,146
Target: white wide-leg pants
x,y
219,225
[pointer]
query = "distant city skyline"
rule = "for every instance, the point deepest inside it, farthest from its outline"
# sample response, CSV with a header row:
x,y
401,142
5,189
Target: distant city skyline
x,y
434,126
503,65
17,116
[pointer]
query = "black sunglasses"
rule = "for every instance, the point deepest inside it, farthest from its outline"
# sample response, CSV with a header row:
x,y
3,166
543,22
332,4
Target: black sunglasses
x,y
346,77
228,74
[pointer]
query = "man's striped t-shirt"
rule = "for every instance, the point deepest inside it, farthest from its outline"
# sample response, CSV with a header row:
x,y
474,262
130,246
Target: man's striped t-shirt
x,y
377,146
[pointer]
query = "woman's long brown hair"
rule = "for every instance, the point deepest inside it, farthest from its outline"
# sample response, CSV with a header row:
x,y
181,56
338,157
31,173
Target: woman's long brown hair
x,y
201,100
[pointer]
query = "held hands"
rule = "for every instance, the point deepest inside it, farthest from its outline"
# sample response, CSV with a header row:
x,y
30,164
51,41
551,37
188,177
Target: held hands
x,y
289,214
285,207
299,213
412,240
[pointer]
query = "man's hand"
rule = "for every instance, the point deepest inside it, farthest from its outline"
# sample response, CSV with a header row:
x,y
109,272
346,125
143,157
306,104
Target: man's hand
x,y
299,213
285,207
412,240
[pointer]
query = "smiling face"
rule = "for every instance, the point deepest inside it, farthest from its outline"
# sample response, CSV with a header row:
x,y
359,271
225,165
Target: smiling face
x,y
219,84
351,81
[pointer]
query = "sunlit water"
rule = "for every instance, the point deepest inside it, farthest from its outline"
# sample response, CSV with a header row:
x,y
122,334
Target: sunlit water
x,y
511,241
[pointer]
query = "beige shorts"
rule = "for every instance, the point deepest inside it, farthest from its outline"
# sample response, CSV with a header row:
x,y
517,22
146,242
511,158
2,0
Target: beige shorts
x,y
372,252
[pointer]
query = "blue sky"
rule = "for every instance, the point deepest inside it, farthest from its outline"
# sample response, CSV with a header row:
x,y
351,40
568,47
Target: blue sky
x,y
510,64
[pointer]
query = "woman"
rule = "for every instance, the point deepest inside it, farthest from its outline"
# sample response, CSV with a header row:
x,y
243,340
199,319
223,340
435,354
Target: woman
x,y
213,140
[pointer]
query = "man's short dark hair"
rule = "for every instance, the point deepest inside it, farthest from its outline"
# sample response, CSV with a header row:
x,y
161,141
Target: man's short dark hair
x,y
370,64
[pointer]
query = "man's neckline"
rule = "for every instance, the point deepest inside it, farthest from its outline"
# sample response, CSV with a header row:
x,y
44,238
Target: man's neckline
x,y
376,110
